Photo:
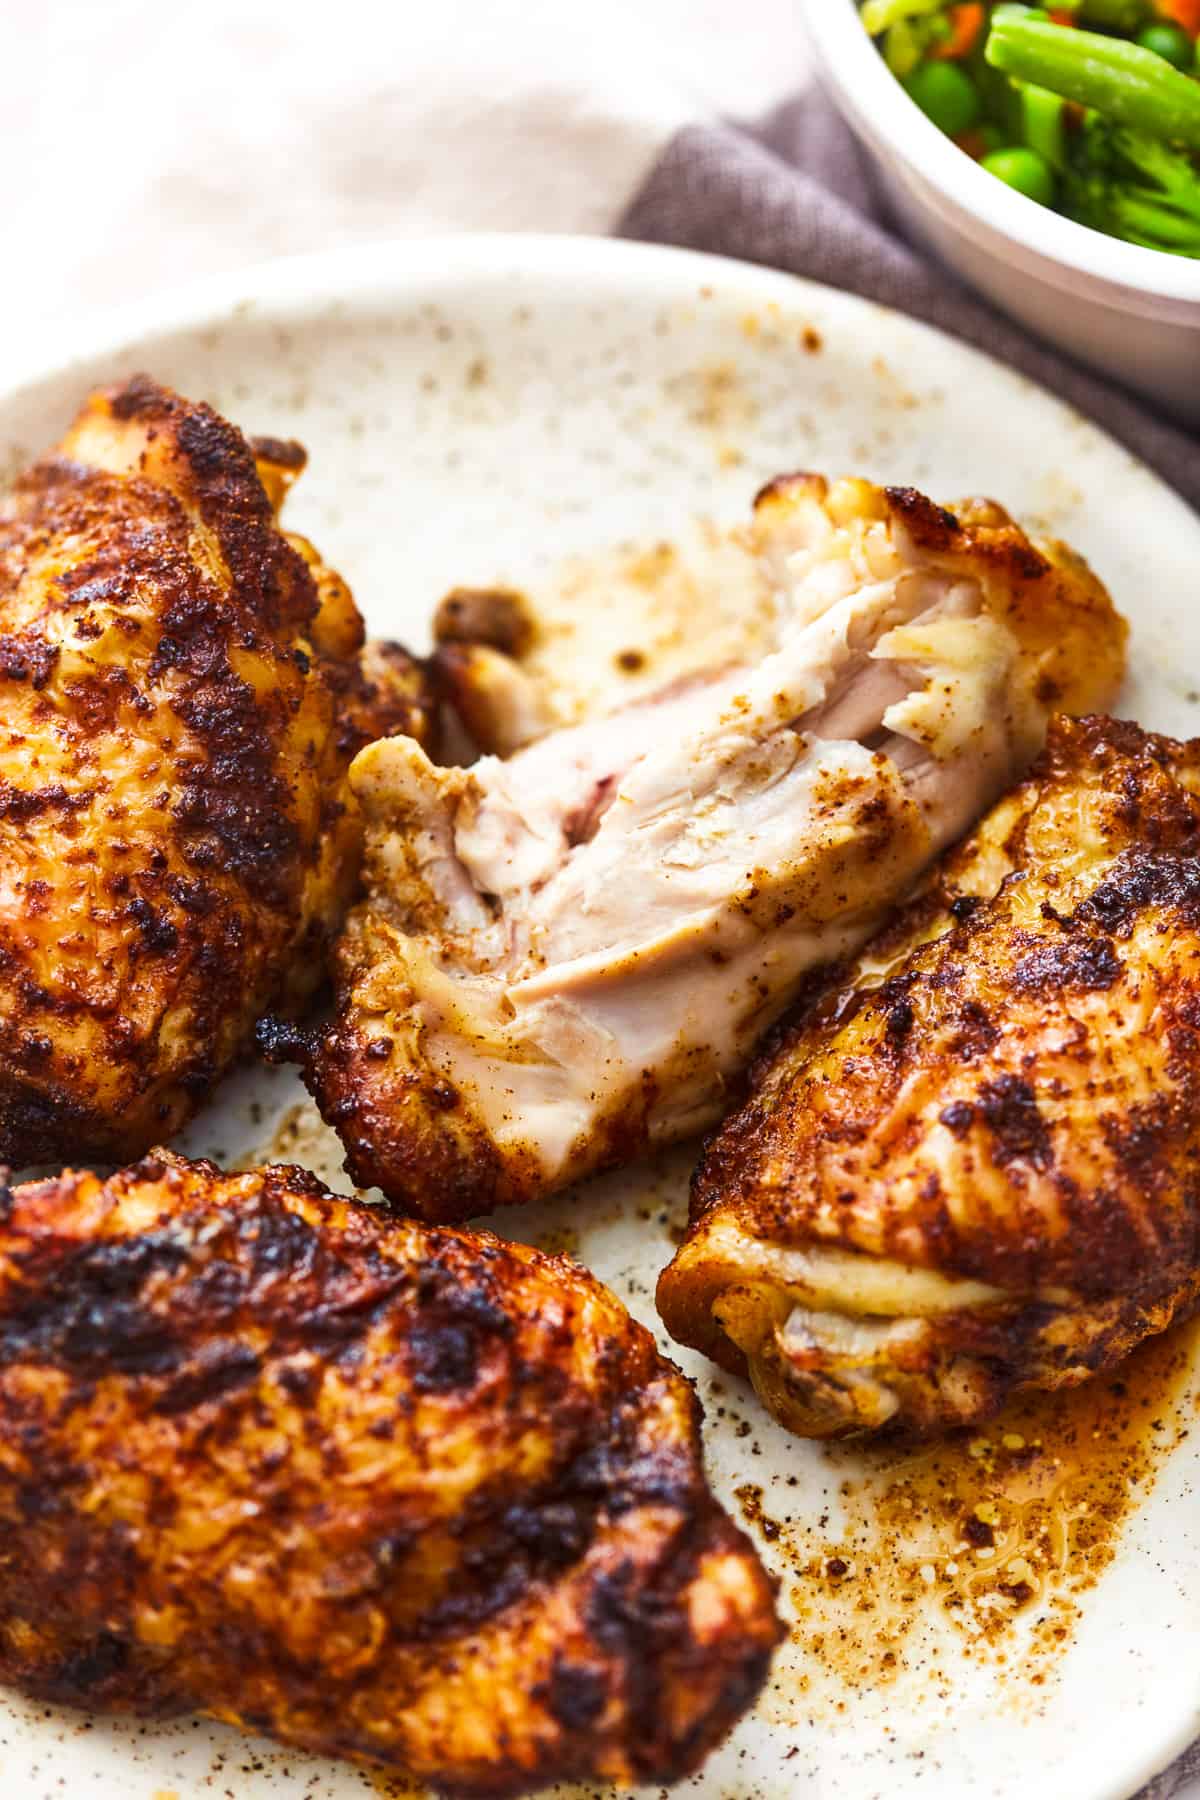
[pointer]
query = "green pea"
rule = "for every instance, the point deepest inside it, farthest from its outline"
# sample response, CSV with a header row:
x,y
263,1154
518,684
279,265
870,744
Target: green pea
x,y
946,94
1171,42
1024,170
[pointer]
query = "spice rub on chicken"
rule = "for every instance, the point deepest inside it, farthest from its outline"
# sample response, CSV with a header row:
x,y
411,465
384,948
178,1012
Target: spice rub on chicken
x,y
182,689
420,1498
972,1168
567,957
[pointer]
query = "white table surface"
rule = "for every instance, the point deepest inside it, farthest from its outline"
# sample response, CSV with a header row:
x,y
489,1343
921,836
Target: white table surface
x,y
150,142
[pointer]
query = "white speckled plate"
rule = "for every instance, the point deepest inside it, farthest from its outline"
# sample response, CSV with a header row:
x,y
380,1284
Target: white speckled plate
x,y
476,409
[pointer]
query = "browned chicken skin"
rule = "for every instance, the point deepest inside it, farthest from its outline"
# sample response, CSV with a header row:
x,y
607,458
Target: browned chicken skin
x,y
181,692
420,1498
975,1166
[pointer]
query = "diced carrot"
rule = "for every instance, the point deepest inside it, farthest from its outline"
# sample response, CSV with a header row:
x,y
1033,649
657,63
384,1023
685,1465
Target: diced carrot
x,y
966,24
1061,18
1184,12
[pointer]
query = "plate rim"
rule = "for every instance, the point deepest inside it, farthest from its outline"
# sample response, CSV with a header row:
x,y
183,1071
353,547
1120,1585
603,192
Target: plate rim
x,y
297,283
293,285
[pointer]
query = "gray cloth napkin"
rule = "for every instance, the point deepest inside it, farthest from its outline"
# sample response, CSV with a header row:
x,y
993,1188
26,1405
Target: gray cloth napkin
x,y
797,193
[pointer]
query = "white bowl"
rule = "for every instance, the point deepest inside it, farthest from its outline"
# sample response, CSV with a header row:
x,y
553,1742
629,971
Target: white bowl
x,y
1134,314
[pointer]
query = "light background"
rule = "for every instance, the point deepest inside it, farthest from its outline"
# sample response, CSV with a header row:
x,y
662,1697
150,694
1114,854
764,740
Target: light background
x,y
150,141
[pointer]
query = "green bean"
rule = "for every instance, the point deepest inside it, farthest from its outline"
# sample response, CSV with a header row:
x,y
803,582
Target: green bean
x,y
1129,85
1146,222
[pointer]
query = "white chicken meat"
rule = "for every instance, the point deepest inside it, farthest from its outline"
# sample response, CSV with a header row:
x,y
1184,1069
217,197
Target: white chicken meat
x,y
568,956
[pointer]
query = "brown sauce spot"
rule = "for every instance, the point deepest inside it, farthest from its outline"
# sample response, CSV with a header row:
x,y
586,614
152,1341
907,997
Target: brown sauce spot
x,y
395,1787
980,1548
716,396
750,1499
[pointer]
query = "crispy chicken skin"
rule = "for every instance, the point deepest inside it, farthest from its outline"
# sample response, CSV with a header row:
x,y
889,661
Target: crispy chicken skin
x,y
420,1498
973,1165
622,625
181,693
567,957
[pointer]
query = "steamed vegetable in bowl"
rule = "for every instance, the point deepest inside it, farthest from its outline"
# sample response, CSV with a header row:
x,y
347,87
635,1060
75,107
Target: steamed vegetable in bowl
x,y
1091,107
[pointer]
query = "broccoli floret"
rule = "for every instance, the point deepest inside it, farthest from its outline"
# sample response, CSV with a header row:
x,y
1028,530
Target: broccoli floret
x,y
1134,187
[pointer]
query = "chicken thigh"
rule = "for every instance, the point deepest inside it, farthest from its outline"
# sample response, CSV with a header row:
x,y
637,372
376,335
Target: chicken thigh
x,y
972,1166
568,956
419,1498
181,693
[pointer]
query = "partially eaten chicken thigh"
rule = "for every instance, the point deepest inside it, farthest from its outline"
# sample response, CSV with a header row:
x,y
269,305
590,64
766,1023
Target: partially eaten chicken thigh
x,y
971,1169
567,957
